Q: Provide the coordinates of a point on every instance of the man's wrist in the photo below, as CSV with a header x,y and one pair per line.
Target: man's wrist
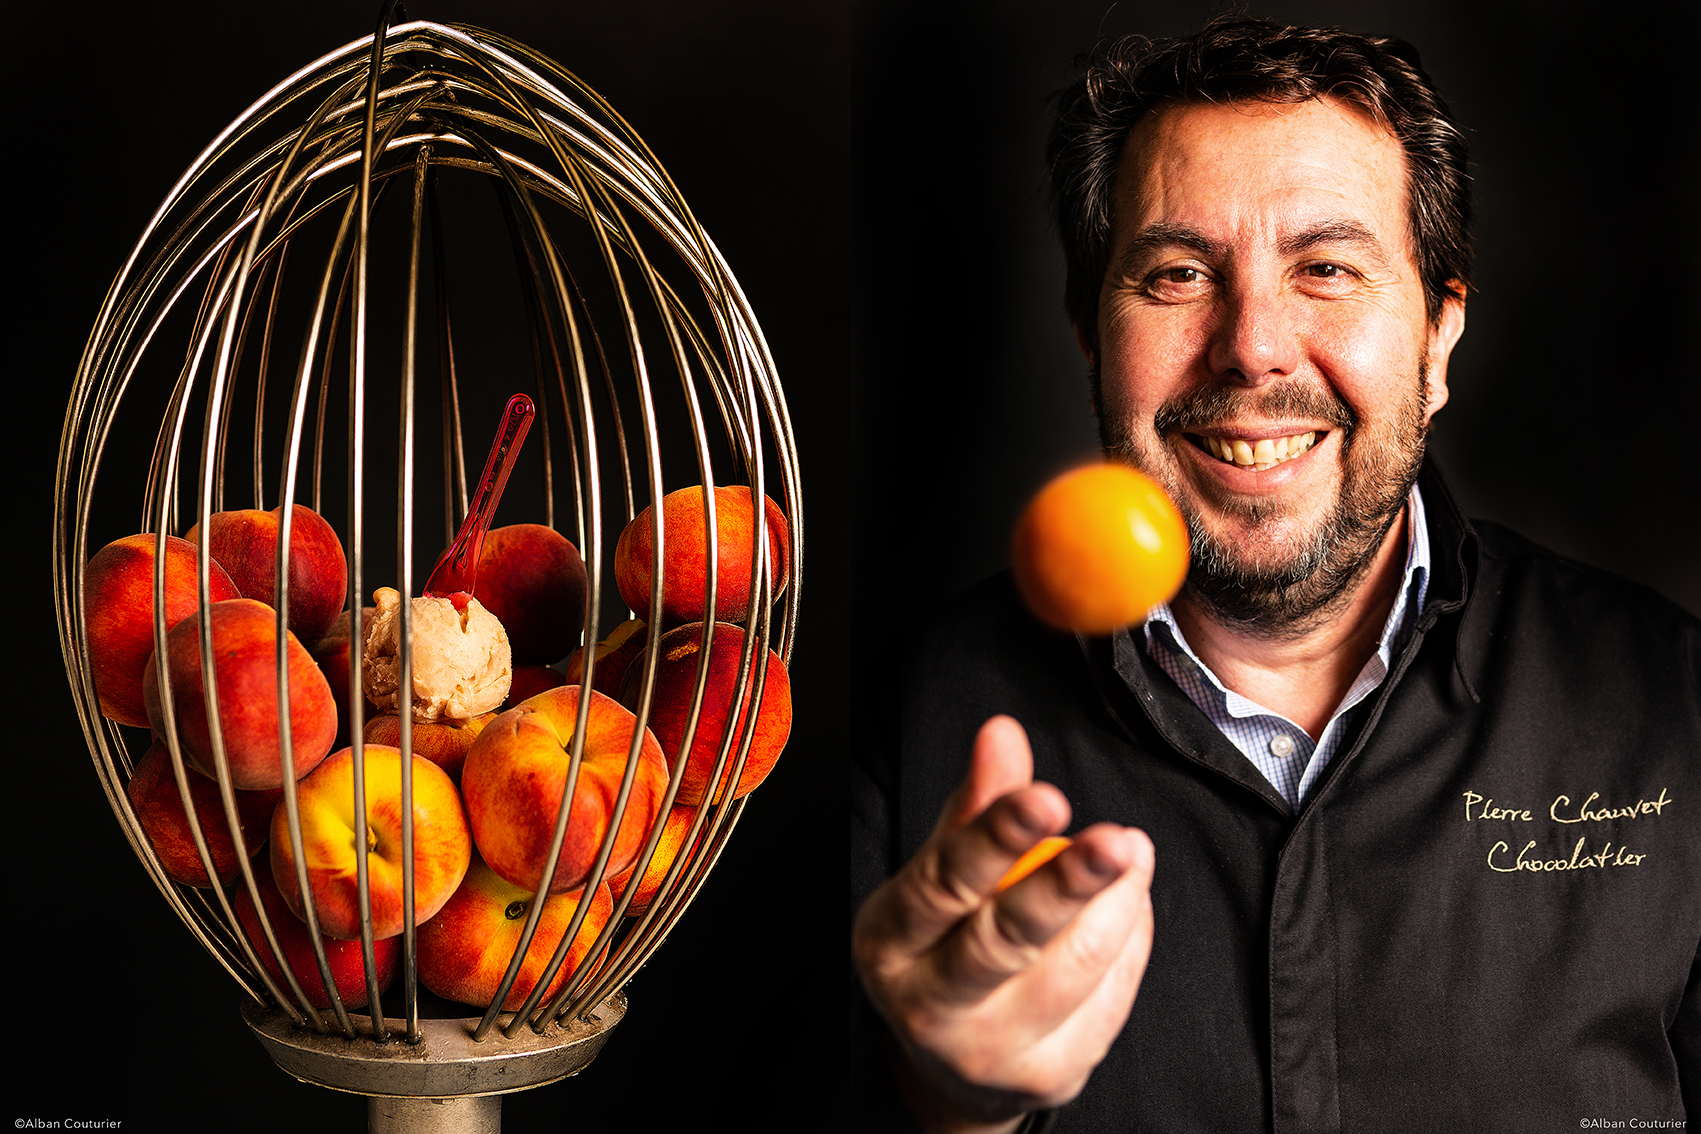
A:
x,y
943,1104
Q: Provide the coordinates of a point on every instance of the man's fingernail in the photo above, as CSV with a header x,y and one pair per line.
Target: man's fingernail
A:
x,y
1099,864
1144,856
1027,820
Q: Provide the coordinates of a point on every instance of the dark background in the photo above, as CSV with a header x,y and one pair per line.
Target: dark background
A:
x,y
872,172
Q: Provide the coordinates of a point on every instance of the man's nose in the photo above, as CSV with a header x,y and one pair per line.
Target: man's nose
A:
x,y
1254,341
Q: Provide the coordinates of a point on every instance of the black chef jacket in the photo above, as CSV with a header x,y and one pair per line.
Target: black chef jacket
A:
x,y
1486,916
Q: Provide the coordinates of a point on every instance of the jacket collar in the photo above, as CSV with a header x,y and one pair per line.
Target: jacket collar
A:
x,y
1454,552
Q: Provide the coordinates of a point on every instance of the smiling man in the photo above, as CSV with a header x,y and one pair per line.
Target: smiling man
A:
x,y
1325,874
1268,355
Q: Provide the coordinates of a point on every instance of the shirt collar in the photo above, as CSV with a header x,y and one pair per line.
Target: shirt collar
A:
x,y
1408,605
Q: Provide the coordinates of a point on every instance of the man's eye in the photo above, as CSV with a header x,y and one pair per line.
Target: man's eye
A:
x,y
1178,276
1325,271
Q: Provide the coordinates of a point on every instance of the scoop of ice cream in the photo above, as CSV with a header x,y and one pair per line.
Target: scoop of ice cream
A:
x,y
462,665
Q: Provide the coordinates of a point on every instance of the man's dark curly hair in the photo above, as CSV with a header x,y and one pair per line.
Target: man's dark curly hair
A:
x,y
1233,59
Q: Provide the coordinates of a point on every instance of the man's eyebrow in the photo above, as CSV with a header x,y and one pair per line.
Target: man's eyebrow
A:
x,y
1164,235
1161,235
1331,232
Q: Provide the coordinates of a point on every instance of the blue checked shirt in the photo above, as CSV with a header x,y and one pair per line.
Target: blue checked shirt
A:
x,y
1277,747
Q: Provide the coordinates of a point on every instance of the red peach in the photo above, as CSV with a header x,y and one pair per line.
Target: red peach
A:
x,y
516,774
676,680
667,849
348,968
244,636
686,555
464,951
245,543
118,604
444,742
613,654
530,680
532,579
159,809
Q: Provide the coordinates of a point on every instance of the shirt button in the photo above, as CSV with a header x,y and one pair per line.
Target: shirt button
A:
x,y
1282,745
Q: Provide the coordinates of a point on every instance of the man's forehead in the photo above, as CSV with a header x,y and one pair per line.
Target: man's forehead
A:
x,y
1293,164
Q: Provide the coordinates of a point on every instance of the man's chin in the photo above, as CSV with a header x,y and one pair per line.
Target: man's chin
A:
x,y
1290,586
1265,535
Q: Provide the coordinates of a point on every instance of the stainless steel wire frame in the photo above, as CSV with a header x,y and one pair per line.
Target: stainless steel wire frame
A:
x,y
392,109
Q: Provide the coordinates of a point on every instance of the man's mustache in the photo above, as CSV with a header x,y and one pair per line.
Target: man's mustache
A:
x,y
1207,406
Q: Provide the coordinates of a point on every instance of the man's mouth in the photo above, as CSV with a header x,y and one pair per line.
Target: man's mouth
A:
x,y
1264,453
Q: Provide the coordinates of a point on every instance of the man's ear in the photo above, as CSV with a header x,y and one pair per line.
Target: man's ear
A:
x,y
1443,336
1086,345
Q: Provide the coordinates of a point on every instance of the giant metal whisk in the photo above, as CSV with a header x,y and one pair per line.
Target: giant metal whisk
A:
x,y
243,336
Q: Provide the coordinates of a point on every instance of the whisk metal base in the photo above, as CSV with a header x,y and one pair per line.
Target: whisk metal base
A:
x,y
447,1064
476,1114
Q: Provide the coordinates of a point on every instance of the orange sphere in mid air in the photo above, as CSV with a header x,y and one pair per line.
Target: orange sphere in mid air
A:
x,y
1098,548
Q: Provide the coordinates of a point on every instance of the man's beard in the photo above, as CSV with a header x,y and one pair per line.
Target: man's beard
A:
x,y
1286,595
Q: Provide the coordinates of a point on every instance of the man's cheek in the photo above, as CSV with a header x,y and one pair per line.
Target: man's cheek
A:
x,y
1366,358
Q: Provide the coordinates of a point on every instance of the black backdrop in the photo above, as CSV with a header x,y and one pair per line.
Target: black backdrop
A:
x,y
871,171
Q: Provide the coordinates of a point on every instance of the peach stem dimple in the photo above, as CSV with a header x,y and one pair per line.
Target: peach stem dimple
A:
x,y
457,570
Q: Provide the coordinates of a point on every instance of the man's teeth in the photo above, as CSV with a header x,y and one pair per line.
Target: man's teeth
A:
x,y
1260,455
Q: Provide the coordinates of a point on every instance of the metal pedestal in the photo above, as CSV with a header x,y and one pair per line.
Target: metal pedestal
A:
x,y
445,1082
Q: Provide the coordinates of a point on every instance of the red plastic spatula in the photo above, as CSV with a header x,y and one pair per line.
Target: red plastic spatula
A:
x,y
456,572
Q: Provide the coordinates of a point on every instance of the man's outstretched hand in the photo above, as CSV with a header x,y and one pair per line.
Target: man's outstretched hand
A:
x,y
1003,1003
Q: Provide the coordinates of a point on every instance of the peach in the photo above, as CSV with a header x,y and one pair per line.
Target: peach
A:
x,y
532,579
530,680
348,968
245,543
516,774
685,549
118,605
667,849
245,656
613,654
442,843
676,678
464,951
159,809
335,656
444,742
